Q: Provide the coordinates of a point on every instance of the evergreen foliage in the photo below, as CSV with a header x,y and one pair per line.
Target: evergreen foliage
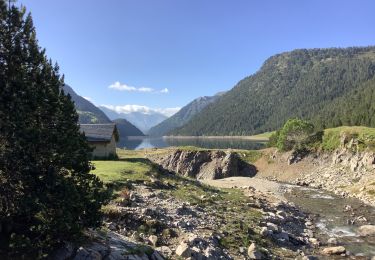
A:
x,y
183,116
294,134
47,194
125,128
329,87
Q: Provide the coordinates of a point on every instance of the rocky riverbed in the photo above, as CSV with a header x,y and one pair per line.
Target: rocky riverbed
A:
x,y
152,224
169,214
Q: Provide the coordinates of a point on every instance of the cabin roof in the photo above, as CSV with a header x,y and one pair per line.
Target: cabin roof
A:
x,y
99,132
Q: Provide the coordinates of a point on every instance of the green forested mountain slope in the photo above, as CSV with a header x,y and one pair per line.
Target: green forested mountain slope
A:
x,y
88,112
183,116
126,128
356,108
303,83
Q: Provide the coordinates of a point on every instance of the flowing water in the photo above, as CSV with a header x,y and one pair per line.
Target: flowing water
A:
x,y
136,143
334,217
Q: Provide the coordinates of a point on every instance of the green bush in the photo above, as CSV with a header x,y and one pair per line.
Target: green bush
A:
x,y
295,134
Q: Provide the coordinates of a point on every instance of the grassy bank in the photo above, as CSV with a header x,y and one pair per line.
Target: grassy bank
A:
x,y
230,205
364,135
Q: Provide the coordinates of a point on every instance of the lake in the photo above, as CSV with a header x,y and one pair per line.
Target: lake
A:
x,y
136,143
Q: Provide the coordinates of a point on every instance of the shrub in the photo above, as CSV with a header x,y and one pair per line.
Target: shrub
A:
x,y
295,134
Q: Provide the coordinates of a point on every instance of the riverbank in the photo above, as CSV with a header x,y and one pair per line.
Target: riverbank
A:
x,y
160,214
343,172
157,214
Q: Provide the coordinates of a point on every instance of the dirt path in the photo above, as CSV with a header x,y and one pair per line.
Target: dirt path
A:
x,y
261,185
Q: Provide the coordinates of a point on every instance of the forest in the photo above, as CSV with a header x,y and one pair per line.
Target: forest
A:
x,y
330,87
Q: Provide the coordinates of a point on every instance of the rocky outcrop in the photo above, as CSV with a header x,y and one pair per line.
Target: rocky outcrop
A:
x,y
347,171
208,165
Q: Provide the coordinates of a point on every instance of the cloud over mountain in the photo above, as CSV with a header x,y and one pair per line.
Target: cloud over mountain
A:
x,y
124,87
127,109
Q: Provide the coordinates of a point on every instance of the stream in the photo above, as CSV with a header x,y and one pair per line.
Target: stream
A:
x,y
336,217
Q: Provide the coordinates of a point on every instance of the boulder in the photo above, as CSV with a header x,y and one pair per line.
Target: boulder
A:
x,y
253,252
204,165
366,230
183,250
336,250
156,256
83,254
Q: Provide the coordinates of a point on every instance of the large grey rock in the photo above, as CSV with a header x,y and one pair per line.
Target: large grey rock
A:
x,y
87,254
156,256
366,230
207,165
336,250
65,252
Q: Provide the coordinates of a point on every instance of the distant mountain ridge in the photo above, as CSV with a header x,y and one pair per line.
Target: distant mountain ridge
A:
x,y
314,84
88,112
126,128
143,121
183,116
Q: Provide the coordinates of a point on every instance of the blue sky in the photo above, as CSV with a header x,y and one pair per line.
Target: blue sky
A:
x,y
164,53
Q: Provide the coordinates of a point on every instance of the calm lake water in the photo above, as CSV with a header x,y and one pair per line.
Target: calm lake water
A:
x,y
136,143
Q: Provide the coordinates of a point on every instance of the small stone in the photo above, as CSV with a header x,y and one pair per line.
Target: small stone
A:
x,y
314,241
336,250
264,231
166,251
282,236
253,252
309,257
183,250
273,227
153,240
332,241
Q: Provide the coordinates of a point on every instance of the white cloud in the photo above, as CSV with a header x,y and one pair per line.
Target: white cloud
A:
x,y
88,98
170,111
123,87
126,109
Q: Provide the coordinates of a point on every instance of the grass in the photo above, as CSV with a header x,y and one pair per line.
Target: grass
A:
x,y
365,135
121,170
249,156
263,135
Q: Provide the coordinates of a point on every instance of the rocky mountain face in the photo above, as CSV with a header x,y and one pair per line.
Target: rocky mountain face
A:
x,y
88,112
326,86
184,115
204,165
143,121
346,171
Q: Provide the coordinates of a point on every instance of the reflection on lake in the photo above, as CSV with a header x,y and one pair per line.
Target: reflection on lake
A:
x,y
136,143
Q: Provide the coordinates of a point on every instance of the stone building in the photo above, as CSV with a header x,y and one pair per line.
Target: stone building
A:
x,y
101,137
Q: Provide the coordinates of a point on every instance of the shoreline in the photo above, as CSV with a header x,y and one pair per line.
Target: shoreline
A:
x,y
250,138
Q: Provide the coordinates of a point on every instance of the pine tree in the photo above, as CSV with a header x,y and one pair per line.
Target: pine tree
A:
x,y
47,194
